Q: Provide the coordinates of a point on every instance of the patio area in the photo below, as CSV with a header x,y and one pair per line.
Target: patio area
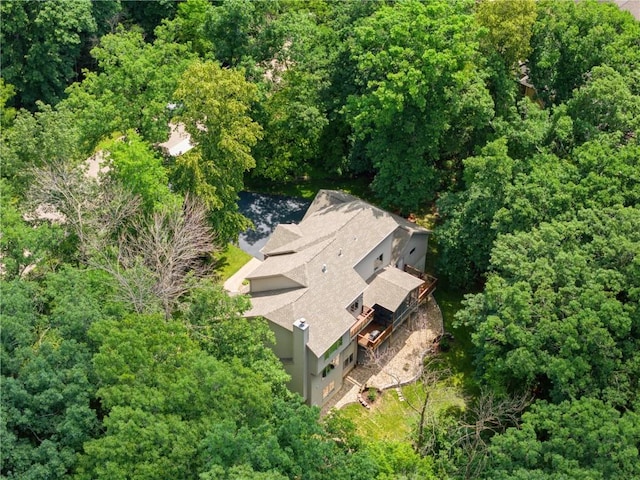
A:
x,y
401,361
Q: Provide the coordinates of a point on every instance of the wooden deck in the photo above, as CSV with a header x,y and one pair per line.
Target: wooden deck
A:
x,y
362,321
365,325
364,339
429,284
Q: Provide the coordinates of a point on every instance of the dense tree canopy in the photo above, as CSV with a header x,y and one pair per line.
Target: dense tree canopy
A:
x,y
412,70
560,312
121,357
214,108
41,42
570,38
580,439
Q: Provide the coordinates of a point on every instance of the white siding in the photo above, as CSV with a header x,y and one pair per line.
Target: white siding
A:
x,y
367,266
417,243
278,282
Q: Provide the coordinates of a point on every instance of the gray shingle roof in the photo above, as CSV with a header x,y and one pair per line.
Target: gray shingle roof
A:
x,y
389,287
337,231
284,234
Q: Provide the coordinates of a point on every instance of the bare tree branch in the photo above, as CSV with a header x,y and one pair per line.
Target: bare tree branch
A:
x,y
173,243
488,416
148,256
93,211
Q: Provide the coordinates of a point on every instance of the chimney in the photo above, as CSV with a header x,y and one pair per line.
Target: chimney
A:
x,y
300,373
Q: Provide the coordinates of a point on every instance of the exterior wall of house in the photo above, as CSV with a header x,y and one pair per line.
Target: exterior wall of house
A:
x,y
323,387
355,308
415,253
283,347
372,263
277,282
349,357
306,369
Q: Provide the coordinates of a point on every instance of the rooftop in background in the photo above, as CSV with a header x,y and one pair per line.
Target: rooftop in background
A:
x,y
179,141
631,6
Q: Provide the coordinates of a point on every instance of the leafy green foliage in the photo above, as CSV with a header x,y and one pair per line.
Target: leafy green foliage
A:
x,y
23,244
560,313
7,92
467,236
570,38
138,168
508,27
189,24
148,15
291,111
45,361
240,31
162,393
35,139
606,104
132,88
215,320
41,42
415,98
215,110
575,439
412,65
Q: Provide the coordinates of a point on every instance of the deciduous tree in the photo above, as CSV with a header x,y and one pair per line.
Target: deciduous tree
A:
x,y
41,42
582,438
412,65
215,104
559,314
132,88
570,38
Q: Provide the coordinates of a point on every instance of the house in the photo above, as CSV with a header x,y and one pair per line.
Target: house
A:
x,y
179,141
335,286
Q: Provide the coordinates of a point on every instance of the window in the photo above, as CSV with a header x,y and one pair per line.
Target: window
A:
x,y
327,370
412,250
354,306
378,262
348,361
333,348
328,389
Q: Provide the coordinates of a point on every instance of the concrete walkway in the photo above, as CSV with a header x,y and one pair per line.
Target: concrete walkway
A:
x,y
234,284
401,362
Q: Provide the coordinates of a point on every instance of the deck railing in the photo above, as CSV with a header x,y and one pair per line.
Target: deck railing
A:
x,y
362,321
366,342
429,284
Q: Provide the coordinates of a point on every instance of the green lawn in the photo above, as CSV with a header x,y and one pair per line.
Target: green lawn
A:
x,y
229,261
391,419
459,358
395,420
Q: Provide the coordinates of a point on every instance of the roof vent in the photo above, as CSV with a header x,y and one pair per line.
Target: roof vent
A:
x,y
340,253
324,268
